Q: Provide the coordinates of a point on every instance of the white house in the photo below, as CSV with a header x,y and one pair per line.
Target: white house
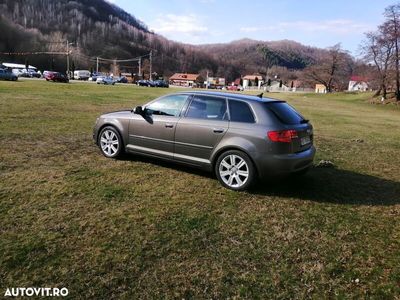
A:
x,y
358,84
252,81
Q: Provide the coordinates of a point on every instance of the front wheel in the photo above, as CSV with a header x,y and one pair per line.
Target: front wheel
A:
x,y
235,170
110,142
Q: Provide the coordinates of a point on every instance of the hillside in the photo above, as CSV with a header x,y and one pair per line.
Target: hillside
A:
x,y
99,28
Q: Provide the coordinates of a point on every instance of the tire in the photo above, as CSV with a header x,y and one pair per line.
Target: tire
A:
x,y
235,170
110,142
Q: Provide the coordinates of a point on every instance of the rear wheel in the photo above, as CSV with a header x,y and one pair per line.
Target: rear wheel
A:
x,y
110,142
235,170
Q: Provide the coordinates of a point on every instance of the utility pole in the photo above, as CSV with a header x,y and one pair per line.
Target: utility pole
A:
x,y
140,67
97,65
115,67
67,59
68,44
207,81
151,62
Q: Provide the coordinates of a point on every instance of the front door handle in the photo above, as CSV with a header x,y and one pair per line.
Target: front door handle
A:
x,y
218,130
169,125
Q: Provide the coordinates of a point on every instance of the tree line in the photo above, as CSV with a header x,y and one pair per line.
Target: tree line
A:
x,y
380,49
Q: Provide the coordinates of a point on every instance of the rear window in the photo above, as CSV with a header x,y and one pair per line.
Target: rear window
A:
x,y
285,113
240,112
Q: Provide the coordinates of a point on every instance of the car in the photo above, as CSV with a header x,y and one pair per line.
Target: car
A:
x,y
56,77
60,77
7,75
105,80
161,83
241,138
95,76
234,88
121,79
81,74
47,75
30,73
148,83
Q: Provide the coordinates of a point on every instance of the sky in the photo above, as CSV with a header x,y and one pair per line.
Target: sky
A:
x,y
320,23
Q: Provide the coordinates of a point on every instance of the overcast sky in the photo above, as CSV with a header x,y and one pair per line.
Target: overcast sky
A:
x,y
320,23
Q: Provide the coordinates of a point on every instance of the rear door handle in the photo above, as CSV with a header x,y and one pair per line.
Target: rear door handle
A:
x,y
169,125
218,130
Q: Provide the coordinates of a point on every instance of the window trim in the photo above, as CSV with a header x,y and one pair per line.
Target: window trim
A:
x,y
248,105
193,96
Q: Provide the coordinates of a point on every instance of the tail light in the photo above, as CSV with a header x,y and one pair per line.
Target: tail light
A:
x,y
283,136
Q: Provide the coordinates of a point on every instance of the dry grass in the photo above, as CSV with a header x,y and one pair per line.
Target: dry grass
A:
x,y
137,228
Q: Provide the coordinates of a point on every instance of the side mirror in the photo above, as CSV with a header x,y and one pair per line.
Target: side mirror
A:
x,y
138,110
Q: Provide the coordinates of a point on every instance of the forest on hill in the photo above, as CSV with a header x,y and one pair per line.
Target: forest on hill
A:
x,y
97,28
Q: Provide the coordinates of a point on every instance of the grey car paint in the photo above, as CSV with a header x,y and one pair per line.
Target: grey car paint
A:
x,y
199,142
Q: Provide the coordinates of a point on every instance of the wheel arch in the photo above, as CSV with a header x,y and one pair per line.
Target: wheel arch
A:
x,y
113,125
222,150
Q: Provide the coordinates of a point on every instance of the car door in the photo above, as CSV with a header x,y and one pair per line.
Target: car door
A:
x,y
200,130
154,132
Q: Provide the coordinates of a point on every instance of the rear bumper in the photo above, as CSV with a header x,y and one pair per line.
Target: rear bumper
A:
x,y
284,164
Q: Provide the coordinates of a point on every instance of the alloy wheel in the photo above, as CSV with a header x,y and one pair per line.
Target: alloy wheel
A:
x,y
109,143
234,171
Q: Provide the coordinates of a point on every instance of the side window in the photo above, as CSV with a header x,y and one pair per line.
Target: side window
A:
x,y
240,111
168,106
209,108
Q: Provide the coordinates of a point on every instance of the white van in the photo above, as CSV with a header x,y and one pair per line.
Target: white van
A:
x,y
81,75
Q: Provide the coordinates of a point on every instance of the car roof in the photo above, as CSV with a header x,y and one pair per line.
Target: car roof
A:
x,y
231,96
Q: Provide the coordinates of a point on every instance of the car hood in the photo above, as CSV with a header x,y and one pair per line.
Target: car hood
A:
x,y
118,114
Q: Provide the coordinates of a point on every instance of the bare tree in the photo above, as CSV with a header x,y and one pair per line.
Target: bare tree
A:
x,y
329,69
378,49
391,29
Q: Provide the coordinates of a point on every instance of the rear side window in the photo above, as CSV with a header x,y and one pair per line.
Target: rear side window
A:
x,y
285,113
205,107
240,111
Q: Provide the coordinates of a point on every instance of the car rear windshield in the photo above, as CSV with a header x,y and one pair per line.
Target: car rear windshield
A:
x,y
285,113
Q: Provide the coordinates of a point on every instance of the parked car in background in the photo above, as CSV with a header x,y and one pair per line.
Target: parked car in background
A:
x,y
60,77
105,80
239,137
148,83
30,73
234,88
95,76
142,82
7,75
17,72
56,77
81,74
121,79
161,83
48,75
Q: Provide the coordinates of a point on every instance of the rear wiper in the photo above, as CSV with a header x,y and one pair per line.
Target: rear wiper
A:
x,y
304,121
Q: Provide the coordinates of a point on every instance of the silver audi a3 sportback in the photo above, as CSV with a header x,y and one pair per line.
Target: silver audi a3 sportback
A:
x,y
239,137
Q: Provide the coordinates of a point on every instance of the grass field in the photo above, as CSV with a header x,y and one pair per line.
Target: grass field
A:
x,y
138,228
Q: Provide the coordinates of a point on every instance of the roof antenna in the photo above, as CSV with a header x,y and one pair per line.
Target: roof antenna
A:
x,y
260,95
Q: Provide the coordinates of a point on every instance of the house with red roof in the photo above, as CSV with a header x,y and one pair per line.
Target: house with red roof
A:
x,y
358,84
186,80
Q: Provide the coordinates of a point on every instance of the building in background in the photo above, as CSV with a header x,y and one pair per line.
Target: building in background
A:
x,y
254,81
320,88
358,84
186,80
215,82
